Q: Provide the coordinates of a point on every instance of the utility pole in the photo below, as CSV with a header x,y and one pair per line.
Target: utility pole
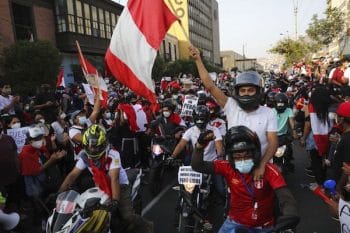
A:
x,y
296,6
243,58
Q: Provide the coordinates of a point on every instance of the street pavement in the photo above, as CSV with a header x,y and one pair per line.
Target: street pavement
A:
x,y
315,217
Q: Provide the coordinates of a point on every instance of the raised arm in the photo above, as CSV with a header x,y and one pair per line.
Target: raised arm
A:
x,y
220,97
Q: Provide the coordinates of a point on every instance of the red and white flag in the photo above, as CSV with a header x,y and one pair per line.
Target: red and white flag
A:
x,y
92,76
320,131
60,79
133,48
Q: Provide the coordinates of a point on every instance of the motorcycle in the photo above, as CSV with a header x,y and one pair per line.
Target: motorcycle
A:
x,y
86,212
194,189
134,176
161,150
283,156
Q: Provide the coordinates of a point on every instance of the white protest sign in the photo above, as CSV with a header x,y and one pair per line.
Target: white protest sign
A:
x,y
213,76
89,94
189,105
19,135
344,216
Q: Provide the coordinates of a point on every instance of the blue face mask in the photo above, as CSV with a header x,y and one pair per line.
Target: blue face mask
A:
x,y
244,166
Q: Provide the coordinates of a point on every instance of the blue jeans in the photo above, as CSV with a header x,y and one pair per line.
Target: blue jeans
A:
x,y
231,226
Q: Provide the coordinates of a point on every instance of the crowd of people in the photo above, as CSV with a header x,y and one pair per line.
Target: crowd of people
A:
x,y
232,130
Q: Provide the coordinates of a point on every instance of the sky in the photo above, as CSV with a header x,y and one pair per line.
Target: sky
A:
x,y
258,24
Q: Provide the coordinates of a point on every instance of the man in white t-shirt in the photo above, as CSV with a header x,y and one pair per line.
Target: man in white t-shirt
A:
x,y
244,109
7,101
201,117
109,175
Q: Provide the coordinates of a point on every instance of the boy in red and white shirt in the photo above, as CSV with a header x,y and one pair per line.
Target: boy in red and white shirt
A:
x,y
251,202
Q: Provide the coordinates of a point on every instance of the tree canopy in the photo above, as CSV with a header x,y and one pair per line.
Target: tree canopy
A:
x,y
26,65
325,30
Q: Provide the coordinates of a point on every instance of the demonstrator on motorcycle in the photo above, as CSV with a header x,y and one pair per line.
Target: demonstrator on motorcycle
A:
x,y
105,165
251,202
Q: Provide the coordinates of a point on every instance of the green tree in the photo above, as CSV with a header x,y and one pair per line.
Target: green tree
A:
x,y
325,30
28,64
158,68
293,50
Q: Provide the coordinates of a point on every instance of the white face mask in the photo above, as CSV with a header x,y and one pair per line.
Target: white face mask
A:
x,y
108,115
82,120
166,114
37,144
244,166
42,121
16,125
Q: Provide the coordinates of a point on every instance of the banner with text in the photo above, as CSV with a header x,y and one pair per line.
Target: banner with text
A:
x,y
189,105
19,135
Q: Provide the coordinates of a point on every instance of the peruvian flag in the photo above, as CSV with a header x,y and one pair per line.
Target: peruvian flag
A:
x,y
60,79
320,131
133,48
93,78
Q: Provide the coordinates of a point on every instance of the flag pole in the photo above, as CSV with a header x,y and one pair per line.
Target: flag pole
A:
x,y
179,21
84,64
81,57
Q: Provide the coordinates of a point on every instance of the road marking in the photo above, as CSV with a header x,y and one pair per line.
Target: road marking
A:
x,y
157,198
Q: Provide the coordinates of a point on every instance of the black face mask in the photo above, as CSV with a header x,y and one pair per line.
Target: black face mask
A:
x,y
248,102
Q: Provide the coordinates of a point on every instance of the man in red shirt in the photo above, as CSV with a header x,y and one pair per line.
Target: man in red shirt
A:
x,y
338,74
251,202
34,160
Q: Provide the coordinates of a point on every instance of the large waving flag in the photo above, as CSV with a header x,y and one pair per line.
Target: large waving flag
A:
x,y
133,48
92,76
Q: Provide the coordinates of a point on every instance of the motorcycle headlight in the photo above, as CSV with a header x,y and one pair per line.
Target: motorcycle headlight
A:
x,y
280,151
157,150
189,187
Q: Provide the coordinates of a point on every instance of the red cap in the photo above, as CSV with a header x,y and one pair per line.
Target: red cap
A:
x,y
344,110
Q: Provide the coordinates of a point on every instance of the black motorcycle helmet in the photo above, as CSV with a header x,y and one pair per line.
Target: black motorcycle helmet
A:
x,y
240,138
270,99
249,78
168,103
281,102
201,116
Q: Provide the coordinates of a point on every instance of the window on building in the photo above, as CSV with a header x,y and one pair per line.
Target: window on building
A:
x,y
108,25
101,18
23,21
70,11
95,30
87,19
175,54
164,50
79,14
113,20
60,17
170,53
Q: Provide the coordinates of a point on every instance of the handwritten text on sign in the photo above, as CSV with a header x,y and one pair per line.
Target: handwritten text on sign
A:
x,y
19,135
189,105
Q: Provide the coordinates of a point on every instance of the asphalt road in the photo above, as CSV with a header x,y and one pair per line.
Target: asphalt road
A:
x,y
314,213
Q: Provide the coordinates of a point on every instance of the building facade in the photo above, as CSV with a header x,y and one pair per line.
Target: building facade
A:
x,y
200,21
62,22
341,45
169,48
231,59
